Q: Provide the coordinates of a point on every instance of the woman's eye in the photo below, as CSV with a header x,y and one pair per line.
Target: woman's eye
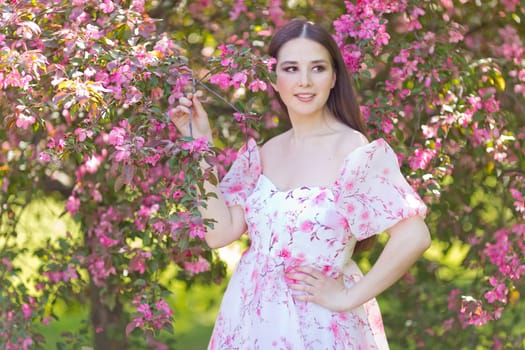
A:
x,y
319,68
290,69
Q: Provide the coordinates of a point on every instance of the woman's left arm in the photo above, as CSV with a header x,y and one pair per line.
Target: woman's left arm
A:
x,y
408,240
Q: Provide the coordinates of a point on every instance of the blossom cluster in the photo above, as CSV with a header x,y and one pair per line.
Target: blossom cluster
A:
x,y
363,28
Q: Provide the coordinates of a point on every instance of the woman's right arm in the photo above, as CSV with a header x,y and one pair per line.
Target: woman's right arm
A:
x,y
229,221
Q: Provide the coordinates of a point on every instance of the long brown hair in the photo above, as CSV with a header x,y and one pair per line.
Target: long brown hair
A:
x,y
342,101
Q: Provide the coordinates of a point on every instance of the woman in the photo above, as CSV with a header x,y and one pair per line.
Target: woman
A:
x,y
306,197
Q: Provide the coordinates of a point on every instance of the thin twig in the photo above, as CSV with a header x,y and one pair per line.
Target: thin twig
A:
x,y
216,94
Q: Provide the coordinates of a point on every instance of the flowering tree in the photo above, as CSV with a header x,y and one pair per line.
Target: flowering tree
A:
x,y
86,91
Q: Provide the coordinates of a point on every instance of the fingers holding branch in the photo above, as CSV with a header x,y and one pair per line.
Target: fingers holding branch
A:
x,y
190,115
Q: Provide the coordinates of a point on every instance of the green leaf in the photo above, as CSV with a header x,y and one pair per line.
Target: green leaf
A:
x,y
61,346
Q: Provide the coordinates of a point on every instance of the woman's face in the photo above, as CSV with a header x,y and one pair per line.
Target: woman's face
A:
x,y
305,76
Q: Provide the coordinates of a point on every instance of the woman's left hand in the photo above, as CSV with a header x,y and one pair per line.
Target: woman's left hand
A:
x,y
313,286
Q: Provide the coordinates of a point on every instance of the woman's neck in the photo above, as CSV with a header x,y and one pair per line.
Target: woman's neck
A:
x,y
306,127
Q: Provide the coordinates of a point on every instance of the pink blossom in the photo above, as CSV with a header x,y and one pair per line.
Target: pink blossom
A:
x,y
239,79
138,262
455,36
72,204
502,252
138,141
499,292
158,226
471,312
197,145
221,79
257,85
24,121
153,159
197,231
26,309
196,267
107,6
162,305
225,50
100,270
147,211
520,89
123,75
453,299
276,13
414,18
239,117
226,61
510,5
7,263
140,225
429,131
402,57
491,105
107,241
96,195
69,274
82,134
387,126
352,57
133,95
238,8
269,63
44,157
519,203
92,164
54,277
26,343
382,38
421,158
117,136
123,153
145,310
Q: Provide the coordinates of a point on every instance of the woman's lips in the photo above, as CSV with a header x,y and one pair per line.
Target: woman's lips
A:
x,y
305,97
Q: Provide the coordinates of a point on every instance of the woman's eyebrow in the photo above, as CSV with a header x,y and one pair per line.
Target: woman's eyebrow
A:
x,y
296,62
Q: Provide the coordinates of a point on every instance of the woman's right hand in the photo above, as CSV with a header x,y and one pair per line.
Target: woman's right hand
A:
x,y
191,107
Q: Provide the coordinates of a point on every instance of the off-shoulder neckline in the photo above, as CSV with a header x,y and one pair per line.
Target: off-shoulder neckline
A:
x,y
251,144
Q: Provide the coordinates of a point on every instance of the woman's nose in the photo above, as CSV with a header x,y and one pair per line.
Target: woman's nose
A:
x,y
304,79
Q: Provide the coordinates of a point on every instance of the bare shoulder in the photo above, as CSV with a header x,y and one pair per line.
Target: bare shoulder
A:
x,y
273,145
350,139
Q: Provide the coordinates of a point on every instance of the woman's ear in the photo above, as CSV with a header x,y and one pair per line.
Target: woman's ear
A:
x,y
334,78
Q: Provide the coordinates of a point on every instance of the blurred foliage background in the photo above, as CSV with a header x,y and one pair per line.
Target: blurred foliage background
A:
x,y
466,185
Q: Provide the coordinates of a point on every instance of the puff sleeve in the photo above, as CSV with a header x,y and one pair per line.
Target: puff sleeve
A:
x,y
371,192
240,180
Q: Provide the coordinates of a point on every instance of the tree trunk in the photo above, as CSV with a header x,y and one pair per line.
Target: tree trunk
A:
x,y
109,325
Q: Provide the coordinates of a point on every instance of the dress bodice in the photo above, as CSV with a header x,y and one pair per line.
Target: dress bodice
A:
x,y
298,226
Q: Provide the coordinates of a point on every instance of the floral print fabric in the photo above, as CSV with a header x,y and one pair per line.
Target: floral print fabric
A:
x,y
316,226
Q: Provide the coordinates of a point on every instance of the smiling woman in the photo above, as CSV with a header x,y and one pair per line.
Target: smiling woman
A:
x,y
308,199
305,77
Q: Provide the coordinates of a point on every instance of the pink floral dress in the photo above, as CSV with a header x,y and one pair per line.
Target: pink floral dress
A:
x,y
316,226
